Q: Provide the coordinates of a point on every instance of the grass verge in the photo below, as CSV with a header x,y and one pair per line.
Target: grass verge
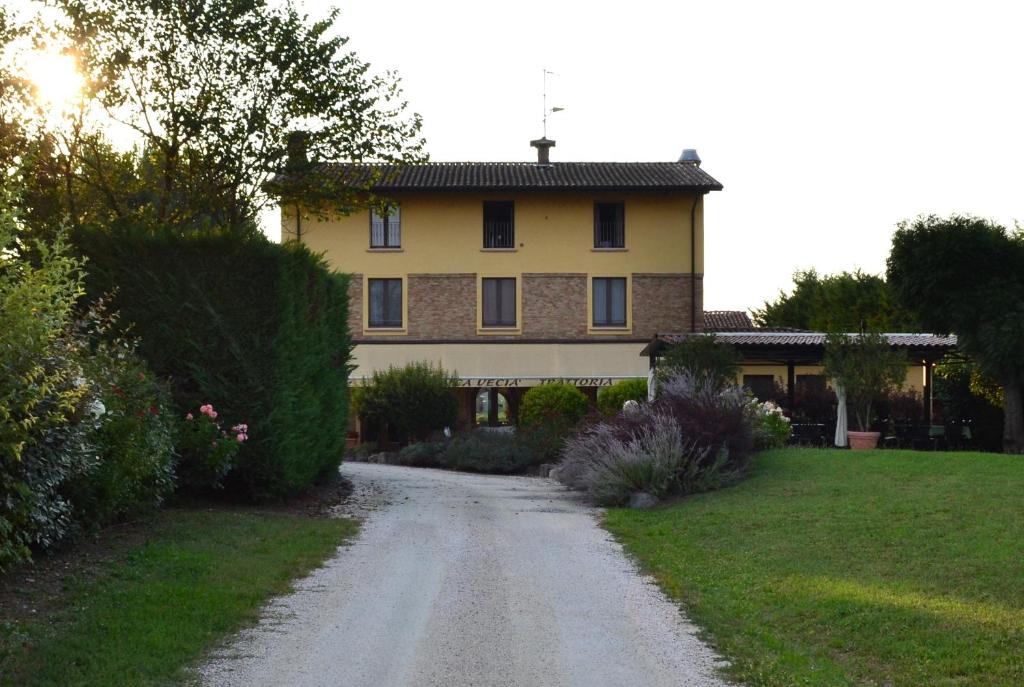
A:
x,y
841,568
145,614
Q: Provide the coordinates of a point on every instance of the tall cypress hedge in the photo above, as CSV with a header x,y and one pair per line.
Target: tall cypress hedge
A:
x,y
256,328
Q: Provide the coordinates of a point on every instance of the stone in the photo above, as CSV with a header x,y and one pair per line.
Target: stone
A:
x,y
642,500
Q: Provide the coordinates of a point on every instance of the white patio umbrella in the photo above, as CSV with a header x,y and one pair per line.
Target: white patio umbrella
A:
x,y
652,385
840,413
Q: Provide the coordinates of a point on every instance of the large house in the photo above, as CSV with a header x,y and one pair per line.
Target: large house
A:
x,y
515,274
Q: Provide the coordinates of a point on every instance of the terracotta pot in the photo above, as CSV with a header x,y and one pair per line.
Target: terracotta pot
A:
x,y
863,441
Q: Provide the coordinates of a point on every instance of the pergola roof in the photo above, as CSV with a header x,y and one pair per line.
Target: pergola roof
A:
x,y
804,347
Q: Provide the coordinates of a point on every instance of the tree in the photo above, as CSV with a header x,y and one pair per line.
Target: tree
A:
x,y
844,302
867,368
705,357
212,90
965,275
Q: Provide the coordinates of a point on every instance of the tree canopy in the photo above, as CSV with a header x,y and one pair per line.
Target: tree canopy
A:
x,y
965,275
844,302
208,91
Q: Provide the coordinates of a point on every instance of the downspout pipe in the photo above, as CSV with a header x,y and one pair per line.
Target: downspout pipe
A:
x,y
693,263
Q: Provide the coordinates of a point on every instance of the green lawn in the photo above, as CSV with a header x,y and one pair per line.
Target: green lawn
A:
x,y
840,567
155,609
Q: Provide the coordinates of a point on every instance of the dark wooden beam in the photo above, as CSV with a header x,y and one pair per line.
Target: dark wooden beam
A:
x,y
791,384
929,404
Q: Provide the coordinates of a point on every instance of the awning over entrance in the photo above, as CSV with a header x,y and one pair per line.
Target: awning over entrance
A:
x,y
510,364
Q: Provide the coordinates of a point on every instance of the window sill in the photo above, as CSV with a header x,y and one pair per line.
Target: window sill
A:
x,y
389,331
499,330
609,250
610,330
498,250
383,250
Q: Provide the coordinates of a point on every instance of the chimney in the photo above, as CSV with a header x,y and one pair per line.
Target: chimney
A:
x,y
690,157
543,145
298,155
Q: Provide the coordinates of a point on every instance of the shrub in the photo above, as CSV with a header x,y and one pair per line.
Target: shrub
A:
x,y
702,356
424,454
550,401
409,402
207,450
44,428
255,328
489,451
548,414
654,458
611,398
134,468
693,437
771,426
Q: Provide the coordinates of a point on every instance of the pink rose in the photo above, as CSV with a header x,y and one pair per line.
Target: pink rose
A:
x,y
240,437
189,417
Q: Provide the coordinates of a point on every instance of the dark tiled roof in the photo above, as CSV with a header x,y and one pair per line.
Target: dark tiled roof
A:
x,y
727,321
482,176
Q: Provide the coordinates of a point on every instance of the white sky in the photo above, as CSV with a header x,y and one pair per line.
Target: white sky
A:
x,y
826,122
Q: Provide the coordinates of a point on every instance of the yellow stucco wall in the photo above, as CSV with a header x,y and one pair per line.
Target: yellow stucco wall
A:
x,y
523,362
914,380
554,233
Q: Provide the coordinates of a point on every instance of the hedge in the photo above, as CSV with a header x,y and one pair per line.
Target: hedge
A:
x,y
256,328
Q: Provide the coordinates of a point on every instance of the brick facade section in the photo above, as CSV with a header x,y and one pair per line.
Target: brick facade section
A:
x,y
662,302
554,306
442,306
355,306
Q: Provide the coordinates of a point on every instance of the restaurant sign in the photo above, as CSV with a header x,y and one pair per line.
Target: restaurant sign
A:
x,y
513,382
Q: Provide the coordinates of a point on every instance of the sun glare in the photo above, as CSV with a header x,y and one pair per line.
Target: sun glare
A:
x,y
55,78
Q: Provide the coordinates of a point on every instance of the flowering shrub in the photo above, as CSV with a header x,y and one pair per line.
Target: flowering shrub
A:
x,y
694,437
771,426
133,439
207,451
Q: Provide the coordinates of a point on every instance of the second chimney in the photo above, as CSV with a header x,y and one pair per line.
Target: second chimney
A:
x,y
543,145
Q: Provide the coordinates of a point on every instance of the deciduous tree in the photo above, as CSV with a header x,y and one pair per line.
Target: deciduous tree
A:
x,y
844,302
965,275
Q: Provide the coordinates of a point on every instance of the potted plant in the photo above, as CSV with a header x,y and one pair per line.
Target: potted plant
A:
x,y
868,369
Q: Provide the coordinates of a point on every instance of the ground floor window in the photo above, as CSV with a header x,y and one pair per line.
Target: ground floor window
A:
x,y
609,301
499,302
762,386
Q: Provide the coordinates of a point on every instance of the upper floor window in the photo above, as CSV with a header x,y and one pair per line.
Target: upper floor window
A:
x,y
386,227
499,302
609,225
609,301
499,224
385,303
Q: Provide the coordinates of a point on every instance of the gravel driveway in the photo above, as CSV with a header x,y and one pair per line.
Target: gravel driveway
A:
x,y
461,579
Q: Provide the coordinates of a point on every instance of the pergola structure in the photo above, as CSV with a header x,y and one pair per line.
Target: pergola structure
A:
x,y
793,348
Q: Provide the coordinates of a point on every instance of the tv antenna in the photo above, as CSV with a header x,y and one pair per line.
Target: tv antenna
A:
x,y
547,111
